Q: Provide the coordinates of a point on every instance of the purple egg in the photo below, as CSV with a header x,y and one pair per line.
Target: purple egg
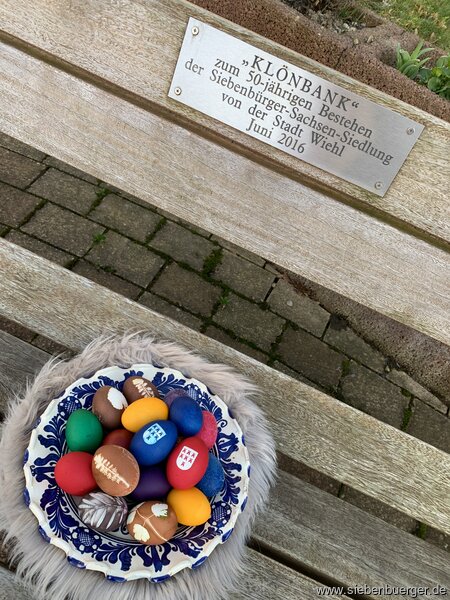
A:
x,y
175,393
152,485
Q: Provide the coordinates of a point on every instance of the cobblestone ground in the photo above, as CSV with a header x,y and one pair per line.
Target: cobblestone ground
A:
x,y
209,285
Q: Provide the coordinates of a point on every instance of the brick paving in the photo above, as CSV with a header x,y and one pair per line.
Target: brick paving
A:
x,y
65,190
365,390
212,286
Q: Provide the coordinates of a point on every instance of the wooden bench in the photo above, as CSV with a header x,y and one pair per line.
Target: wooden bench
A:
x,y
90,96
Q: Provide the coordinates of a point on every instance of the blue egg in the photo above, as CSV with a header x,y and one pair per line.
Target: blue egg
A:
x,y
187,415
153,442
213,480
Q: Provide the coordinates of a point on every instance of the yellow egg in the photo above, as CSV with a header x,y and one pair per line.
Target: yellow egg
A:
x,y
191,506
143,411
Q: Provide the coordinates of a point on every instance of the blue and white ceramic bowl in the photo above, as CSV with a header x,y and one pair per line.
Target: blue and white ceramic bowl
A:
x,y
116,554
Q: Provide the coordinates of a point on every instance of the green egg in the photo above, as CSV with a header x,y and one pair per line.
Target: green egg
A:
x,y
84,432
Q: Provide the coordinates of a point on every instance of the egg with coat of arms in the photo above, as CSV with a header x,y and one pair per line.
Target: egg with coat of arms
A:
x,y
187,463
153,442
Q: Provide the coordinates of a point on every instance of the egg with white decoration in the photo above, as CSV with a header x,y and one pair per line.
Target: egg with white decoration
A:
x,y
153,522
108,405
102,511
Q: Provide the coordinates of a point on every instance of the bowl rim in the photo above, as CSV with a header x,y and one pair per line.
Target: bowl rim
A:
x,y
107,568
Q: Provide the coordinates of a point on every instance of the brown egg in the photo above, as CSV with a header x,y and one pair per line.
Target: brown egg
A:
x,y
115,470
152,522
136,387
118,437
108,405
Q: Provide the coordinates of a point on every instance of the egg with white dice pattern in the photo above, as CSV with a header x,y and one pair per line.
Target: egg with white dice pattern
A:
x,y
153,442
187,463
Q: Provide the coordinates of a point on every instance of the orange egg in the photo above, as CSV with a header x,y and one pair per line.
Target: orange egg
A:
x,y
191,506
144,411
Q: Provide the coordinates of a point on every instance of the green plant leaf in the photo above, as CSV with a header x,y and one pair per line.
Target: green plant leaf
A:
x,y
424,74
416,52
433,84
411,71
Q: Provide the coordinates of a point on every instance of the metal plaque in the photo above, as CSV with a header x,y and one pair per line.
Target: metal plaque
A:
x,y
291,109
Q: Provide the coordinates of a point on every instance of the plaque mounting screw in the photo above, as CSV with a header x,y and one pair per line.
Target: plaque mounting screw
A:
x,y
410,130
177,91
378,185
195,30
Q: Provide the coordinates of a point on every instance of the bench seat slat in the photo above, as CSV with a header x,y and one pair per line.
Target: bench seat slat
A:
x,y
267,579
308,425
230,195
134,45
259,582
302,522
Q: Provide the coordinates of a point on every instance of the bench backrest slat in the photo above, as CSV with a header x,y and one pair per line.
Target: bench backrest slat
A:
x,y
136,48
310,426
226,193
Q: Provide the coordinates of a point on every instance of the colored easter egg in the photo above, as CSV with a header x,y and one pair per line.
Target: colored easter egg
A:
x,y
153,442
187,463
118,437
136,387
213,480
108,405
115,470
187,415
102,511
172,394
152,523
209,430
152,484
73,473
143,411
84,432
191,506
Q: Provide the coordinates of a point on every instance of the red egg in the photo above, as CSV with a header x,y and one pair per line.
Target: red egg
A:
x,y
73,473
187,463
209,430
118,437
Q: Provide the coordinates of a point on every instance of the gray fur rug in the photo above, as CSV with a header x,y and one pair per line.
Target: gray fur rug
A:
x,y
43,566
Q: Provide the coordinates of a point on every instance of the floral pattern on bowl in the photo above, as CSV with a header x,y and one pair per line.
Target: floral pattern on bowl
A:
x,y
116,554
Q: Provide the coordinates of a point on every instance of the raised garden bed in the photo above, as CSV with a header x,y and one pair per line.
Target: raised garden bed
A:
x,y
365,50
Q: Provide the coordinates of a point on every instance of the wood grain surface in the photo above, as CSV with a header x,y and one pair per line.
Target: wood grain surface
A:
x,y
326,534
308,425
269,580
303,523
134,45
19,362
226,193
